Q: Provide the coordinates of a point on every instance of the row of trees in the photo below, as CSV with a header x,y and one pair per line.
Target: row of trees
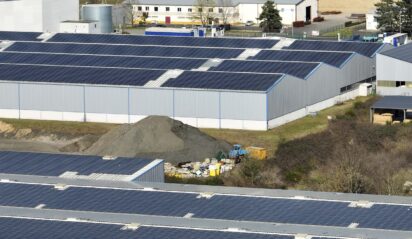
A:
x,y
395,15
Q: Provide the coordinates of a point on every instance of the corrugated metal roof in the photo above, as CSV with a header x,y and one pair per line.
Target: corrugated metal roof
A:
x,y
218,3
403,53
394,102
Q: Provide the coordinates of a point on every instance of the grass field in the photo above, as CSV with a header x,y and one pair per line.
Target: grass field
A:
x,y
296,129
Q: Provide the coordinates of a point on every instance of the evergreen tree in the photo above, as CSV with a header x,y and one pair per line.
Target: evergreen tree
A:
x,y
270,18
405,19
386,15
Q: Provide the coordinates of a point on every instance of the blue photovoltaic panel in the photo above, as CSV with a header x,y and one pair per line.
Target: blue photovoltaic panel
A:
x,y
224,81
56,164
19,36
125,50
298,69
363,48
101,61
164,41
19,228
77,75
332,58
259,209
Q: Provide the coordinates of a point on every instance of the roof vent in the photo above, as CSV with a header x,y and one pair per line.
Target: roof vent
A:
x,y
302,236
131,226
361,204
109,157
235,229
61,186
206,195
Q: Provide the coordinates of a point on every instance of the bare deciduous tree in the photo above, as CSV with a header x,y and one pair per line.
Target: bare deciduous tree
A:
x,y
204,11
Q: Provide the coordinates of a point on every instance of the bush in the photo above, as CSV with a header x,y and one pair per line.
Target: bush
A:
x,y
319,19
299,24
308,22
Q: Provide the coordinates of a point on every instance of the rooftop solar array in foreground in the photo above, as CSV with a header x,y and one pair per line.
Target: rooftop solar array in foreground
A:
x,y
101,61
125,50
363,48
43,164
297,69
19,228
164,40
226,207
77,75
19,36
332,58
223,80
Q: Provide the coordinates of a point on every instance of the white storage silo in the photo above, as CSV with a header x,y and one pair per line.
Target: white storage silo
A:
x,y
101,13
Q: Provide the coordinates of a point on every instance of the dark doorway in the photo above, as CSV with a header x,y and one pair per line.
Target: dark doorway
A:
x,y
308,13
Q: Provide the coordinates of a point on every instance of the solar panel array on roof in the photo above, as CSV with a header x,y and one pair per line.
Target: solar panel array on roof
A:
x,y
100,61
224,81
403,53
163,40
77,75
331,58
243,208
19,228
56,164
19,36
124,50
363,48
298,69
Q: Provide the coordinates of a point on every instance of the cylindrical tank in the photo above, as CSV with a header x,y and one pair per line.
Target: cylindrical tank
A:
x,y
101,13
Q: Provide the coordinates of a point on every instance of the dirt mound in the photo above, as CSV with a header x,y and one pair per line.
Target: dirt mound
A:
x,y
160,137
6,128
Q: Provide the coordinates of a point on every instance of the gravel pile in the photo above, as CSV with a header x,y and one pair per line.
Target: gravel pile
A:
x,y
159,137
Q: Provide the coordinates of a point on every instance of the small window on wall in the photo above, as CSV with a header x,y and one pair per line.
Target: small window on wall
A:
x,y
210,9
200,10
139,8
167,9
400,83
179,9
189,10
220,10
147,8
156,9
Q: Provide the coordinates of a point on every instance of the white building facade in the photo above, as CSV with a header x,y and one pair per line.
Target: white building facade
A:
x,y
36,15
233,12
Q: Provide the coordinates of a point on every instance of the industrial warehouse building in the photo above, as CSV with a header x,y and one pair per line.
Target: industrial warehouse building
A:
x,y
82,167
253,84
225,11
394,71
36,15
56,207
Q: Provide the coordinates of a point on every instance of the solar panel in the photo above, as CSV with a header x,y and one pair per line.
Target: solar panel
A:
x,y
164,40
125,50
101,61
224,81
19,36
301,70
55,164
363,48
77,75
161,203
19,228
332,58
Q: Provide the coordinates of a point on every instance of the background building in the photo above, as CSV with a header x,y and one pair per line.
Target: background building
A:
x,y
394,71
225,11
36,15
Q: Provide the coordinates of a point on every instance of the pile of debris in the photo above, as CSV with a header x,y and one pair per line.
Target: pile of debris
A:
x,y
207,168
